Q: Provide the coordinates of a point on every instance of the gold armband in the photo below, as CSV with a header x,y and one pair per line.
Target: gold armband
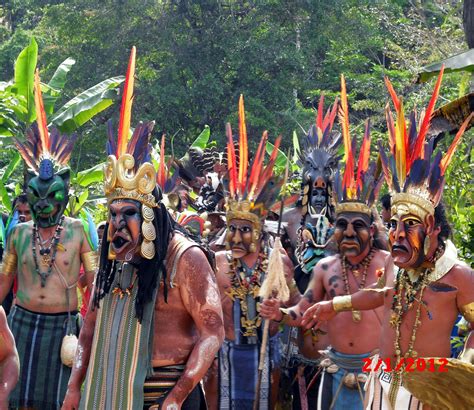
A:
x,y
89,261
9,264
342,303
468,312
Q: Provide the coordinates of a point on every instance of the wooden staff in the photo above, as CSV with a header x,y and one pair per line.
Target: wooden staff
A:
x,y
273,285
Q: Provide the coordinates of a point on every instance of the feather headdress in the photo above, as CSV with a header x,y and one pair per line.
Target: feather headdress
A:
x,y
359,186
44,149
321,135
129,173
251,194
414,174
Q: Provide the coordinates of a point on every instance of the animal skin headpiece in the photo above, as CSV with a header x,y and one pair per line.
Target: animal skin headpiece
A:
x,y
129,173
46,153
251,195
414,175
359,188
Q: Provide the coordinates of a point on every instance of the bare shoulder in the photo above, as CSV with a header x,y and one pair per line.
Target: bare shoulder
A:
x,y
327,263
3,319
73,223
461,275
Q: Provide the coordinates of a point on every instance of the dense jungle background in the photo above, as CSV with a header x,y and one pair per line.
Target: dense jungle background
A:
x,y
194,58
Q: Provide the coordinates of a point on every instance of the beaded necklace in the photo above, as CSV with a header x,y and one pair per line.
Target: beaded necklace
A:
x,y
243,286
356,314
402,302
48,255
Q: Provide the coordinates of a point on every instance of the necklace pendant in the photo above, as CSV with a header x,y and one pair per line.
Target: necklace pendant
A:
x,y
393,319
356,316
356,273
45,259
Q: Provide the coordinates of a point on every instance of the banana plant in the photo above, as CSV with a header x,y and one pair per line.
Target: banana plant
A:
x,y
17,108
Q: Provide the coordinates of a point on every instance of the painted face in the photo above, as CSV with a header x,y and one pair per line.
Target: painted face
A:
x,y
406,236
239,236
318,173
48,197
125,228
24,213
352,232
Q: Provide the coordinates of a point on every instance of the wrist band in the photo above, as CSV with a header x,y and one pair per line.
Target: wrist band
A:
x,y
342,303
284,315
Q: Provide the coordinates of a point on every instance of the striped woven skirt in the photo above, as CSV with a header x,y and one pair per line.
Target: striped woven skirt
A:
x,y
162,382
43,378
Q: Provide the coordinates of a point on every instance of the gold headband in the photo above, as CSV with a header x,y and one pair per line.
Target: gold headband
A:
x,y
123,182
242,210
353,207
404,203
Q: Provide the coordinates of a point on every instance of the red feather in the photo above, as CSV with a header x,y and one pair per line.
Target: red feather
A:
x,y
231,163
257,165
161,176
126,109
243,147
425,124
457,139
393,94
364,155
319,118
268,171
41,116
329,120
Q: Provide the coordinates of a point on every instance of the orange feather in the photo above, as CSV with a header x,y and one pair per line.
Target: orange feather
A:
x,y
364,155
445,161
268,171
243,147
231,163
126,109
41,116
391,129
425,123
348,178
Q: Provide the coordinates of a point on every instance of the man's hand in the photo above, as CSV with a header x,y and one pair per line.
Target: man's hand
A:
x,y
270,309
72,399
170,403
319,312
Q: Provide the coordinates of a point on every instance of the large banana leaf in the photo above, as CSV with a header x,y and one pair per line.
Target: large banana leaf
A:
x,y
11,167
5,199
459,62
25,66
202,139
281,159
52,90
90,176
86,105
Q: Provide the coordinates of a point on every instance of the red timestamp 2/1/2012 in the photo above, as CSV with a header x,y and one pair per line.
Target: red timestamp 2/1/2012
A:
x,y
409,364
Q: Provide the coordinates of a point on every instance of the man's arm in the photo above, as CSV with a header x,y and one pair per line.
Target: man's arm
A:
x,y
369,298
9,362
9,266
81,360
201,298
270,308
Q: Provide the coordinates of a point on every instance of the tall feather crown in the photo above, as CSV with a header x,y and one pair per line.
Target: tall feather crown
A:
x,y
129,173
358,189
250,194
414,174
43,150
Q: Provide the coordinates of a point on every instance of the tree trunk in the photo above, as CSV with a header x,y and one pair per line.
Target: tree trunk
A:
x,y
468,22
